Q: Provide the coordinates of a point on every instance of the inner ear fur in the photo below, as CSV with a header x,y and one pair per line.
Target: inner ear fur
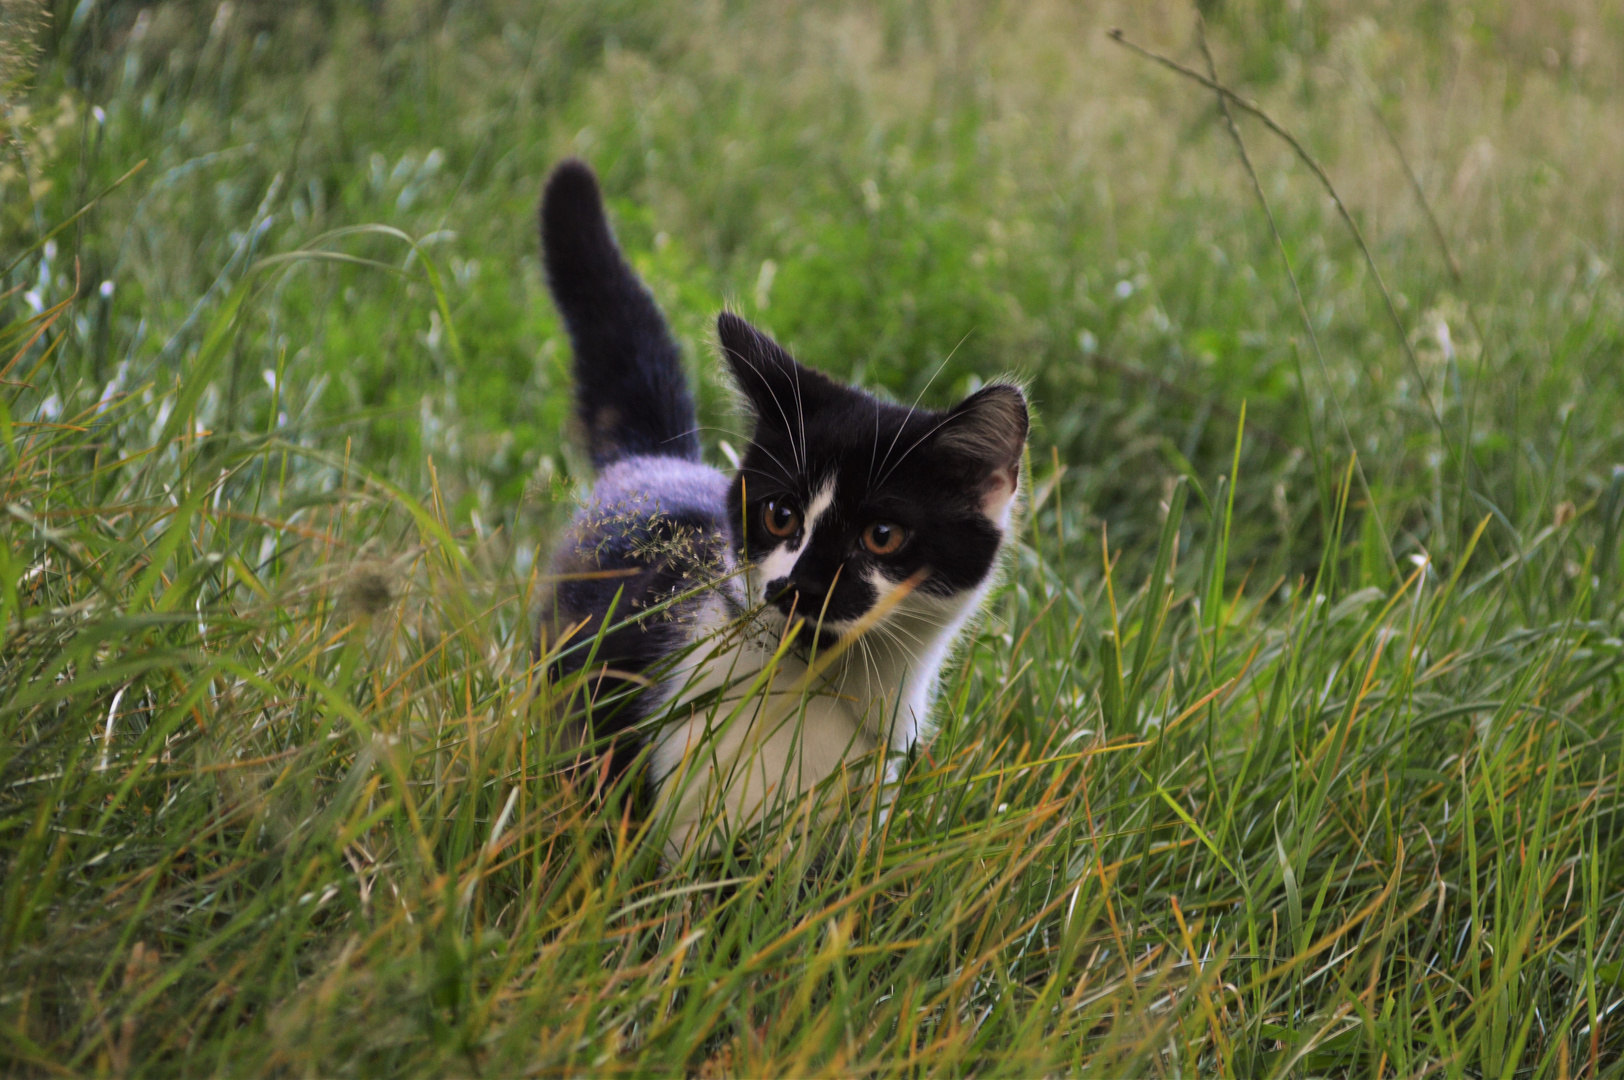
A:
x,y
988,430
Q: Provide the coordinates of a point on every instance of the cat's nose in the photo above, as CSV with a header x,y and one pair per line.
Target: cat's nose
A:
x,y
780,592
796,594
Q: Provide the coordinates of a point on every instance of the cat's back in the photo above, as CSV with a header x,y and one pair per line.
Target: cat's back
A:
x,y
652,529
668,486
630,585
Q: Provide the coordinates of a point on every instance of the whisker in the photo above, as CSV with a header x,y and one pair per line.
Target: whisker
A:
x,y
789,474
788,427
916,443
915,406
800,418
784,475
895,633
874,449
929,618
871,668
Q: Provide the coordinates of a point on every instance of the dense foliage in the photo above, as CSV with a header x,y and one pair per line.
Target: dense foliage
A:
x,y
1290,746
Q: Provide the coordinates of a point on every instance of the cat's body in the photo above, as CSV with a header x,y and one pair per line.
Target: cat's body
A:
x,y
876,526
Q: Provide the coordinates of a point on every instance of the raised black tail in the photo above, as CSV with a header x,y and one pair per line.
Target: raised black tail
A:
x,y
630,392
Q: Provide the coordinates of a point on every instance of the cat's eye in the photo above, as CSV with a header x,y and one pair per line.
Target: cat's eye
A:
x,y
883,538
780,517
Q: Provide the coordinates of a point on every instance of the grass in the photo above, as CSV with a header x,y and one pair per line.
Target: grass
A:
x,y
1289,748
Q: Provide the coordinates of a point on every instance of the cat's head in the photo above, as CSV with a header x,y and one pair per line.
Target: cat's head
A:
x,y
840,496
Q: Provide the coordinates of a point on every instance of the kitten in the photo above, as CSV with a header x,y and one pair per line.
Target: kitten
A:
x,y
773,629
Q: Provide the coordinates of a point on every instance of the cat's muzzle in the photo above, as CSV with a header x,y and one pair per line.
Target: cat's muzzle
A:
x,y
799,602
796,598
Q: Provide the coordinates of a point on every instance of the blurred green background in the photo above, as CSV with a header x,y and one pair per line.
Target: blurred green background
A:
x,y
913,196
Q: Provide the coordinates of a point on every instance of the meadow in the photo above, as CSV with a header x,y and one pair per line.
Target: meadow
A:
x,y
1289,747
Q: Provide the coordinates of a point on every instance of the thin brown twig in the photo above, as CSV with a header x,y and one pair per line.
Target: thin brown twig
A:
x,y
1296,291
1225,96
1420,196
1454,271
1245,105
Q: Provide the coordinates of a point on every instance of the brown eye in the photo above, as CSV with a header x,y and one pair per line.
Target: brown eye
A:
x,y
780,518
883,538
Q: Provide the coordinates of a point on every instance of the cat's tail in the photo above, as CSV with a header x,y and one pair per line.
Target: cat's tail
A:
x,y
630,391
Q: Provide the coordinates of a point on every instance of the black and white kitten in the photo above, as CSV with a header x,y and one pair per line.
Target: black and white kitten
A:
x,y
853,528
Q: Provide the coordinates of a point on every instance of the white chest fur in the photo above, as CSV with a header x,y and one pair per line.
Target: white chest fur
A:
x,y
749,736
751,733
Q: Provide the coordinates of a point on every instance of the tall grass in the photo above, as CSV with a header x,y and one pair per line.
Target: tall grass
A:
x,y
1289,748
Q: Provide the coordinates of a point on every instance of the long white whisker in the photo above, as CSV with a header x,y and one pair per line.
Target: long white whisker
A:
x,y
893,632
776,460
884,692
939,425
783,473
896,633
800,418
929,617
874,450
871,669
788,427
915,406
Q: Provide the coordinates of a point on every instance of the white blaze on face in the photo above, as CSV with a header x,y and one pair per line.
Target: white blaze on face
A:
x,y
782,559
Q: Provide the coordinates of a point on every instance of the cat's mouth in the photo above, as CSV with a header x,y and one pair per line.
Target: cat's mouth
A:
x,y
810,636
818,638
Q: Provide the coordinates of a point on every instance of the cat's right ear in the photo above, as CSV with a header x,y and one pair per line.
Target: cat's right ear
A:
x,y
987,432
776,387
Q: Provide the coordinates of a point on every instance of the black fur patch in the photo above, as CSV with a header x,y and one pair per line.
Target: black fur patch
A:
x,y
631,566
631,394
631,399
920,469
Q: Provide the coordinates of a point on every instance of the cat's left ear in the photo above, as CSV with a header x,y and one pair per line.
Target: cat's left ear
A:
x,y
776,387
988,431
